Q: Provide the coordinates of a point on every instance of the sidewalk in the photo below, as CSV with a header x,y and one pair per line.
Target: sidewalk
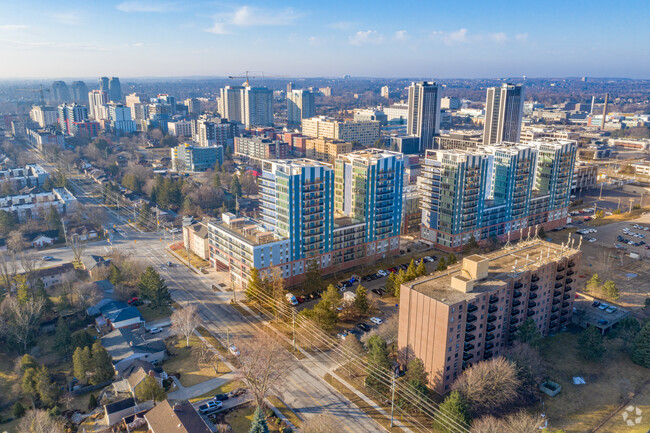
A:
x,y
183,393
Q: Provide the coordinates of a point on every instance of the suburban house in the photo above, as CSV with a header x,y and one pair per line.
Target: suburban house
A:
x,y
135,373
115,412
179,418
195,234
43,238
93,264
54,275
126,346
84,232
117,314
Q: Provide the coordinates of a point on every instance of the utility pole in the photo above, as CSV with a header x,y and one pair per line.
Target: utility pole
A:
x,y
65,232
631,201
619,204
228,337
600,197
187,248
293,317
392,402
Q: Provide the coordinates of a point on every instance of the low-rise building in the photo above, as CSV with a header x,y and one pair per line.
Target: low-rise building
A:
x,y
326,149
37,205
459,140
180,128
584,176
126,346
178,418
190,158
49,136
195,237
473,310
29,176
53,275
260,148
365,132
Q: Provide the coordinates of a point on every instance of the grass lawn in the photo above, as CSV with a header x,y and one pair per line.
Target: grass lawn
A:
x,y
285,410
240,420
11,426
212,340
580,408
195,260
623,216
151,314
183,361
226,387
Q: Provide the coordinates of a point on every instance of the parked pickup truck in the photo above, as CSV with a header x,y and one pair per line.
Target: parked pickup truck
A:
x,y
210,407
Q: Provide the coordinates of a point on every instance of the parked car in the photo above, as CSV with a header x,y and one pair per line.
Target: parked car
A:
x,y
603,306
595,304
363,327
236,392
603,322
155,330
376,320
133,300
611,309
221,397
300,299
210,407
377,292
47,258
233,350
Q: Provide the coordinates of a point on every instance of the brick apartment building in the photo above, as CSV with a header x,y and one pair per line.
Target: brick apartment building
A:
x,y
471,312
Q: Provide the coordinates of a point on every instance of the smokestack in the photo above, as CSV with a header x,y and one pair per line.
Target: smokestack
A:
x,y
593,102
602,126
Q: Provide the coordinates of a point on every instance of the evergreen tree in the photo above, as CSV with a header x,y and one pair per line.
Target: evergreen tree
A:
x,y
82,363
47,184
152,287
63,337
92,402
417,380
235,186
41,293
81,339
378,362
627,330
451,259
27,362
115,275
48,392
641,348
149,389
54,219
611,291
22,288
216,181
101,363
18,410
8,222
390,282
259,422
593,283
254,285
144,215
528,333
421,269
471,245
361,300
441,265
452,411
399,280
325,313
411,273
591,344
29,383
313,278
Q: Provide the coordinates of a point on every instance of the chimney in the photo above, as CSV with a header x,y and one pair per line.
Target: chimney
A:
x,y
177,407
152,373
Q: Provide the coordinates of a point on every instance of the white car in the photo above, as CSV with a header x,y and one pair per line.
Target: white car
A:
x,y
376,320
381,273
592,239
155,330
47,258
233,350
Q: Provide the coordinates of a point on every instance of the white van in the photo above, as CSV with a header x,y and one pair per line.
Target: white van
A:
x,y
292,299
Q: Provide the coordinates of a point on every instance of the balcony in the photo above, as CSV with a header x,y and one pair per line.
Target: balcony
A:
x,y
567,289
512,330
533,287
565,297
565,312
471,318
515,311
492,309
514,321
557,293
565,304
469,337
532,296
534,278
558,285
530,313
494,299
516,303
531,304
556,301
570,272
491,318
569,280
571,264
471,308
490,328
560,268
518,285
555,309
554,317
468,347
559,277
466,364
489,346
467,356
489,337
563,319
516,294
487,354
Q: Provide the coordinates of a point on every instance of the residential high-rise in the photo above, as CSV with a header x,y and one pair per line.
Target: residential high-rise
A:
x,y
188,158
365,133
166,99
504,108
385,92
79,91
43,115
424,112
368,188
230,103
214,132
252,106
60,92
120,117
494,192
300,105
103,84
114,90
68,113
472,311
97,99
193,107
261,148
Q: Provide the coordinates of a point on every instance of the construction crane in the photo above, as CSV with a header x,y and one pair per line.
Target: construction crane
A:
x,y
247,76
40,91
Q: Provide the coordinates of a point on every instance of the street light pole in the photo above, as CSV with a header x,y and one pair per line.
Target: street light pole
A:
x,y
293,317
392,402
600,197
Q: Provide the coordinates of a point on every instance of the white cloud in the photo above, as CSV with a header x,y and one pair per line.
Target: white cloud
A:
x,y
457,37
67,18
56,45
342,25
401,35
499,37
247,16
12,26
147,6
521,37
366,37
138,44
314,41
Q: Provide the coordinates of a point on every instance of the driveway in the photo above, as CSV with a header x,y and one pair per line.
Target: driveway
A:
x,y
183,393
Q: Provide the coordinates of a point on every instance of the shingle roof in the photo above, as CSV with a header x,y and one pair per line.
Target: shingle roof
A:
x,y
127,313
181,418
123,343
120,405
113,306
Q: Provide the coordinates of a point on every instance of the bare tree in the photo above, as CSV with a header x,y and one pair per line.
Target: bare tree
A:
x,y
206,354
520,422
16,241
263,362
606,259
29,263
22,318
387,330
85,295
323,423
78,248
39,421
7,268
185,321
489,386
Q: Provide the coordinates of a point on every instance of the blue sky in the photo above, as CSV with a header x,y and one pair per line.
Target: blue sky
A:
x,y
438,39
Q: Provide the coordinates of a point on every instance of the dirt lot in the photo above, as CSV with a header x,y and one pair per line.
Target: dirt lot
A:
x,y
611,264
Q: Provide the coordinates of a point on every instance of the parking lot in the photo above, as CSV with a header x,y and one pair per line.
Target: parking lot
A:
x,y
602,315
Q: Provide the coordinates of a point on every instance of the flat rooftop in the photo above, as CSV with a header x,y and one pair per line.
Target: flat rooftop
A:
x,y
249,231
504,263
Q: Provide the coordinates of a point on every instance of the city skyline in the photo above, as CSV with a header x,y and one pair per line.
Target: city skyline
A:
x,y
138,38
